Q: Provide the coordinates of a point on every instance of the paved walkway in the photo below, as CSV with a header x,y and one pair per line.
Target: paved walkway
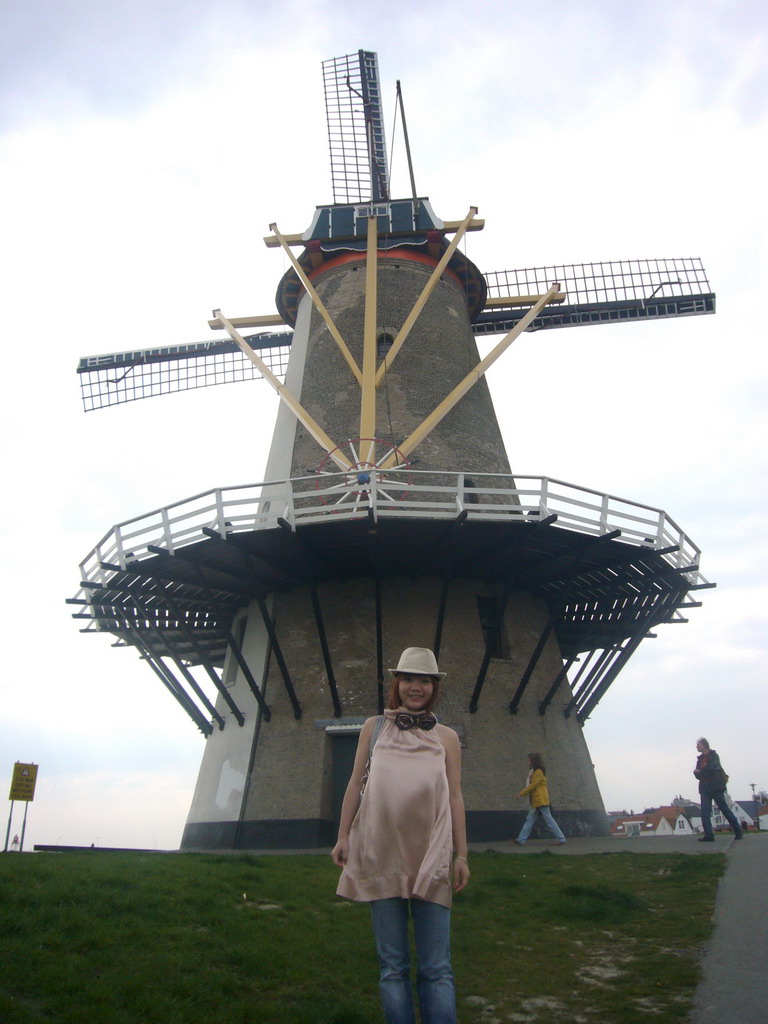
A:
x,y
735,983
734,986
608,844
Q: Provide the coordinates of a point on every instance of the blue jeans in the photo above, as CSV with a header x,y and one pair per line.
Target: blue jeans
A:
x,y
434,977
549,821
718,795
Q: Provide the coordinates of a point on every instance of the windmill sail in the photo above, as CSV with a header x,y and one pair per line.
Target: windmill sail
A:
x,y
598,293
355,128
120,377
613,292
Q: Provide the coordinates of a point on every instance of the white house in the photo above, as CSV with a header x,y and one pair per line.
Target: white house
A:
x,y
746,812
664,821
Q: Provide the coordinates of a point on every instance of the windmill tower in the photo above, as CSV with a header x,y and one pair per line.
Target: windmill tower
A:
x,y
389,518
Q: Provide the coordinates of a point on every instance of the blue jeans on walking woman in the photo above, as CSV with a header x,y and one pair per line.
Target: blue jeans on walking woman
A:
x,y
718,795
549,821
434,977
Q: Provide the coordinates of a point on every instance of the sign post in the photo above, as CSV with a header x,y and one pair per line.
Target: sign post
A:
x,y
22,788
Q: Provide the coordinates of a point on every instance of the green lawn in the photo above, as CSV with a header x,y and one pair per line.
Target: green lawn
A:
x,y
97,938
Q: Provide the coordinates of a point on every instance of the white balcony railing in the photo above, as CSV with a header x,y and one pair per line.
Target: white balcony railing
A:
x,y
404,494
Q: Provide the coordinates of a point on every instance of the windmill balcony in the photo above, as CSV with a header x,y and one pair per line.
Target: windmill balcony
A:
x,y
406,495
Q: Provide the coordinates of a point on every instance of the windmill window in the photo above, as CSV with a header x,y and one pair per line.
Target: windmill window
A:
x,y
384,343
372,211
493,634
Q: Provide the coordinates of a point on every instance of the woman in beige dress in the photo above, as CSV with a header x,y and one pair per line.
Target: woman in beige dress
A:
x,y
402,846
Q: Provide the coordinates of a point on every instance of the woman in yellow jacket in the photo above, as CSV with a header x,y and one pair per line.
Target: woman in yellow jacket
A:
x,y
538,795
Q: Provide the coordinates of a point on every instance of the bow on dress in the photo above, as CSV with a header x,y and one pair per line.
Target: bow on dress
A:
x,y
424,721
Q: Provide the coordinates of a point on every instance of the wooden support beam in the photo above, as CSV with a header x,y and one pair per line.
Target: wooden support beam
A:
x,y
169,681
252,558
268,320
555,612
205,661
509,301
269,625
234,582
561,676
429,287
244,667
163,641
587,702
451,226
595,673
368,398
323,637
321,308
274,242
234,646
442,410
298,410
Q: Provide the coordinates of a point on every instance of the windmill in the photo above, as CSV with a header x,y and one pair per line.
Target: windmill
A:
x,y
389,517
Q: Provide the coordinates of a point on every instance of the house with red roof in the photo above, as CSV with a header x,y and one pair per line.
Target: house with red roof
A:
x,y
683,818
656,821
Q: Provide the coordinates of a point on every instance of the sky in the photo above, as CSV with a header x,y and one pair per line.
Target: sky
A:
x,y
144,151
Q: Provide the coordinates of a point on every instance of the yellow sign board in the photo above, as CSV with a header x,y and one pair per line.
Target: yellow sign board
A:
x,y
23,782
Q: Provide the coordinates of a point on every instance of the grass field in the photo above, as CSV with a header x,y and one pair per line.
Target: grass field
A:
x,y
123,938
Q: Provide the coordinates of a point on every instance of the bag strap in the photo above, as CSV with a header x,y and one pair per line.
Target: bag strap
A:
x,y
374,736
375,733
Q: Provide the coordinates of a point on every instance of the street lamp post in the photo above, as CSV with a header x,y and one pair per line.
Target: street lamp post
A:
x,y
757,810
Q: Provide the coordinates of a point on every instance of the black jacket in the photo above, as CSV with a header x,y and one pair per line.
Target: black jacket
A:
x,y
711,776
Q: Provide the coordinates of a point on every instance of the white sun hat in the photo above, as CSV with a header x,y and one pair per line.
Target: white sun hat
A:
x,y
417,661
